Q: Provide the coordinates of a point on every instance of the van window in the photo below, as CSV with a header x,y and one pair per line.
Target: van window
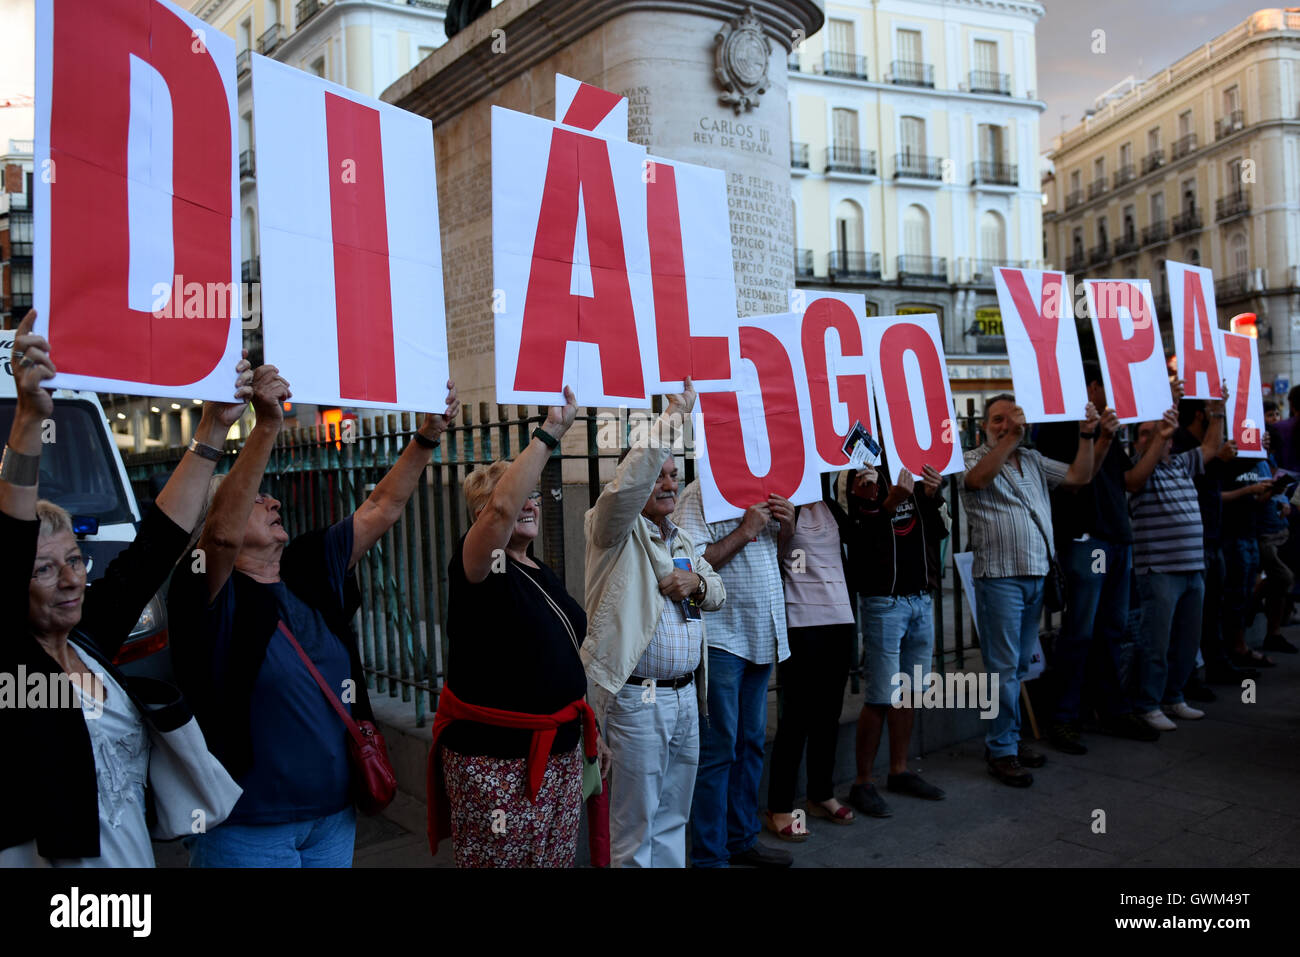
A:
x,y
78,469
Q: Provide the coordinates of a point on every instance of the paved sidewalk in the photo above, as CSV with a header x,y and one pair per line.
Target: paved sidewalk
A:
x,y
1221,791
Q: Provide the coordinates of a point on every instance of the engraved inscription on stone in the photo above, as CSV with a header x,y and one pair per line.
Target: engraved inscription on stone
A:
x,y
761,242
640,126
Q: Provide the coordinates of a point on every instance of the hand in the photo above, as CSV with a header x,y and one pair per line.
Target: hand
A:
x,y
1017,430
1286,509
1090,418
434,425
1262,490
901,491
560,417
1218,405
755,519
931,481
679,584
782,511
864,483
31,366
218,417
1176,390
1109,422
1227,451
683,402
605,756
1168,425
270,392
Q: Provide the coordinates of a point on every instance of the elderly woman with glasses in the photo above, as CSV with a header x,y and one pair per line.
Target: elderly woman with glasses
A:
x,y
505,768
76,765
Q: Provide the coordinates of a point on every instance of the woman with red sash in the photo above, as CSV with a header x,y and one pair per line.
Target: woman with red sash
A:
x,y
505,768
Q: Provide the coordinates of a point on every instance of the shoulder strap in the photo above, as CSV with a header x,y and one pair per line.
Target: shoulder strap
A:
x,y
568,625
1033,515
353,729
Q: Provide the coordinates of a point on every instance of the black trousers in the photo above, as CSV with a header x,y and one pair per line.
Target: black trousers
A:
x,y
812,697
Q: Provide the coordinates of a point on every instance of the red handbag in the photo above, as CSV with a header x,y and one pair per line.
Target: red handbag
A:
x,y
374,785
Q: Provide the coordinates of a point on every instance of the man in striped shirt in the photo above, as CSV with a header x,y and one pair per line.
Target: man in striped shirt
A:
x,y
1169,559
1009,517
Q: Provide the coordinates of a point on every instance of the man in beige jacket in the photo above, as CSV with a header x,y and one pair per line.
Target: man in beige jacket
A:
x,y
645,647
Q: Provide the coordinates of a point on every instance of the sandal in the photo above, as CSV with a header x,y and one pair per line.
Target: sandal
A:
x,y
787,833
1252,658
844,815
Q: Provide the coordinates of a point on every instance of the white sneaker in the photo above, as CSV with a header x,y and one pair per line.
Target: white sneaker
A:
x,y
1158,721
1185,711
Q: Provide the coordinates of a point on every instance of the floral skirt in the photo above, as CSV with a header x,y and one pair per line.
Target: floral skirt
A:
x,y
493,824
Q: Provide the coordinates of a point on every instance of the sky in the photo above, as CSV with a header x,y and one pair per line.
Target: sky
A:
x,y
1141,39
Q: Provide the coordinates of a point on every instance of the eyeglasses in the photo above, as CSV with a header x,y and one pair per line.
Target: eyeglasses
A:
x,y
49,572
535,497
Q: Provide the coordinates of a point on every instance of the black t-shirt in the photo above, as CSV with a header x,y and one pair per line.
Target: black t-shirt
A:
x,y
1218,519
1100,508
508,649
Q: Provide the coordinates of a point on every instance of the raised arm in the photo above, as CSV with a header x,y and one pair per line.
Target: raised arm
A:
x,y
983,472
1107,428
724,549
20,471
1136,477
1216,416
622,500
384,506
492,529
223,531
1080,472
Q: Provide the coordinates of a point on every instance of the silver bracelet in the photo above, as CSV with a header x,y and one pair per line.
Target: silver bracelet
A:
x,y
17,468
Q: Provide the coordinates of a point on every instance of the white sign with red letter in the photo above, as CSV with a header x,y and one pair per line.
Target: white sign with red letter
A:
x,y
350,248
1195,324
588,107
751,442
136,258
1042,344
1129,347
832,340
1246,394
910,377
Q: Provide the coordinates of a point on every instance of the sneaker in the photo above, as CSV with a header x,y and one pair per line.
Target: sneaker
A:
x,y
1278,643
1158,721
1184,710
1128,726
1010,771
909,782
1196,691
1029,757
760,856
1065,737
865,798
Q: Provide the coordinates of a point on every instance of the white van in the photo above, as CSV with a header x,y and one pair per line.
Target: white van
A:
x,y
82,470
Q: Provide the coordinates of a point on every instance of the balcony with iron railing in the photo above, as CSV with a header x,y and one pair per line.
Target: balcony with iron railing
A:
x,y
932,268
987,173
1097,187
1124,174
981,270
270,39
803,263
1126,245
1153,160
1232,287
1157,232
1183,146
243,62
1073,198
306,9
1231,206
1227,125
1188,221
1099,253
1076,261
20,251
984,81
917,166
799,155
911,73
851,264
246,164
835,63
848,159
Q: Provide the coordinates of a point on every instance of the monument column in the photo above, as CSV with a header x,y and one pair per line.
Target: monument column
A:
x,y
705,82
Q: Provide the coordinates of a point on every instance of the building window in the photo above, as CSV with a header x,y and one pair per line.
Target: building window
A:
x,y
245,35
1130,222
848,227
912,133
1194,257
424,52
1076,244
844,129
840,36
992,143
1237,254
1102,237
1184,123
318,67
986,56
916,231
1231,100
1126,155
272,13
1189,196
993,238
1099,169
1076,181
1233,182
1157,207
909,46
1153,140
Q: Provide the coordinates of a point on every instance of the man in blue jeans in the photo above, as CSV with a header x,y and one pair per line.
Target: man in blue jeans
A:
x,y
1169,558
1009,517
1094,541
746,636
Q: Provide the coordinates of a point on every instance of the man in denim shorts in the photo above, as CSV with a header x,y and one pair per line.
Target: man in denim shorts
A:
x,y
894,563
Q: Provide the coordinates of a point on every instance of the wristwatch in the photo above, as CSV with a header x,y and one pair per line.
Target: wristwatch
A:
x,y
425,442
205,451
703,589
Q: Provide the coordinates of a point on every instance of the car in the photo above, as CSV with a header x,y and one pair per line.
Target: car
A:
x,y
82,471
